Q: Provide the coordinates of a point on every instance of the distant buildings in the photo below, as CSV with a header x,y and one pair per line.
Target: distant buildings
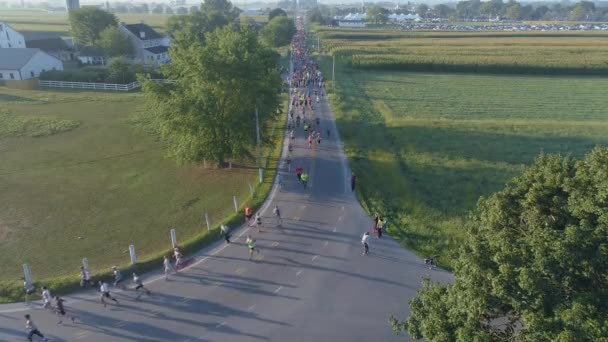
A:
x,y
24,63
9,38
151,47
71,5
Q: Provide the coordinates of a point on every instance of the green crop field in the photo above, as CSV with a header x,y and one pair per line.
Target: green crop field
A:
x,y
79,179
426,146
483,52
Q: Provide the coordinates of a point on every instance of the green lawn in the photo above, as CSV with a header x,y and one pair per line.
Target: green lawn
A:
x,y
427,146
78,179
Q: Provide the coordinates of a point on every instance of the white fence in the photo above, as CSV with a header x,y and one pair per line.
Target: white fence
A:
x,y
96,86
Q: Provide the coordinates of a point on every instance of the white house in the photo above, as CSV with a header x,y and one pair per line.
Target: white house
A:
x,y
9,38
24,63
150,46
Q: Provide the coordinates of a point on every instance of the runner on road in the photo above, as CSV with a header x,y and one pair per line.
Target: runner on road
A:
x,y
60,309
168,268
118,278
251,245
105,293
32,329
46,295
258,221
139,285
277,213
225,232
364,241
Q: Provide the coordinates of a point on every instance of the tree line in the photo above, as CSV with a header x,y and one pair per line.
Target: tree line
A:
x,y
478,10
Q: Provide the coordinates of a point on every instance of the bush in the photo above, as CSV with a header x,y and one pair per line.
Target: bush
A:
x,y
95,75
119,71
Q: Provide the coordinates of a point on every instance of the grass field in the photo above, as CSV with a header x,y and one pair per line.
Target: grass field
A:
x,y
89,183
426,146
484,52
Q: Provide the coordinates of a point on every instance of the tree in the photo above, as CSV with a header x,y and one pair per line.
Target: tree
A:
x,y
87,23
422,10
278,32
275,13
443,10
168,10
514,12
181,10
212,14
582,10
121,72
159,9
534,263
377,15
315,16
209,113
539,12
114,43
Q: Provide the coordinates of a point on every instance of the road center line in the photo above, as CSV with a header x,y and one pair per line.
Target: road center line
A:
x,y
334,230
314,257
278,289
298,273
186,299
274,244
251,307
220,325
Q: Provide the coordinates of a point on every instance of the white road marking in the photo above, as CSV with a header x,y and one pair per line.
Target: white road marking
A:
x,y
220,325
251,307
186,299
121,324
302,207
298,273
314,257
278,289
334,230
325,243
340,218
274,244
342,207
81,335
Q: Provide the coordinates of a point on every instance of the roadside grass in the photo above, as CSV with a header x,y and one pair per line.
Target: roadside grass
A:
x,y
426,146
92,191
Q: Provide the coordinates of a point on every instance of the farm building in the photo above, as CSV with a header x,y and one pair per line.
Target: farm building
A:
x,y
24,63
150,46
9,38
56,47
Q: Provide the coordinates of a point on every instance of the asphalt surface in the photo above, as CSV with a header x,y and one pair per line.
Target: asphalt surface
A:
x,y
310,281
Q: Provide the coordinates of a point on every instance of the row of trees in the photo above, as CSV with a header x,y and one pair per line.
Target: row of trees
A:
x,y
476,9
225,71
91,26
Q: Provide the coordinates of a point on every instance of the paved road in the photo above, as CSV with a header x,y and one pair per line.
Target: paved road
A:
x,y
309,283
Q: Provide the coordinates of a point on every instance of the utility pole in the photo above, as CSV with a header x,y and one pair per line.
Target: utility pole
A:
x,y
333,74
257,131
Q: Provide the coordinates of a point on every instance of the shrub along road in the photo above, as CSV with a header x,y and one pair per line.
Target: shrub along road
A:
x,y
309,282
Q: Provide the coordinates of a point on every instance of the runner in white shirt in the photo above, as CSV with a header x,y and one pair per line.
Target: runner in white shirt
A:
x,y
167,266
105,293
46,295
364,241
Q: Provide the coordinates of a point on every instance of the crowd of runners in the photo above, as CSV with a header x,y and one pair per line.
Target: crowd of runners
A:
x,y
307,88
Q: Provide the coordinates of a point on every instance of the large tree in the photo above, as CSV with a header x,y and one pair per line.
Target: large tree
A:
x,y
377,14
209,114
276,13
87,23
114,43
534,266
278,32
212,14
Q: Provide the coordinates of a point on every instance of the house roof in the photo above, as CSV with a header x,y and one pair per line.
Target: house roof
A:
x,y
16,58
48,45
157,49
135,29
90,51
